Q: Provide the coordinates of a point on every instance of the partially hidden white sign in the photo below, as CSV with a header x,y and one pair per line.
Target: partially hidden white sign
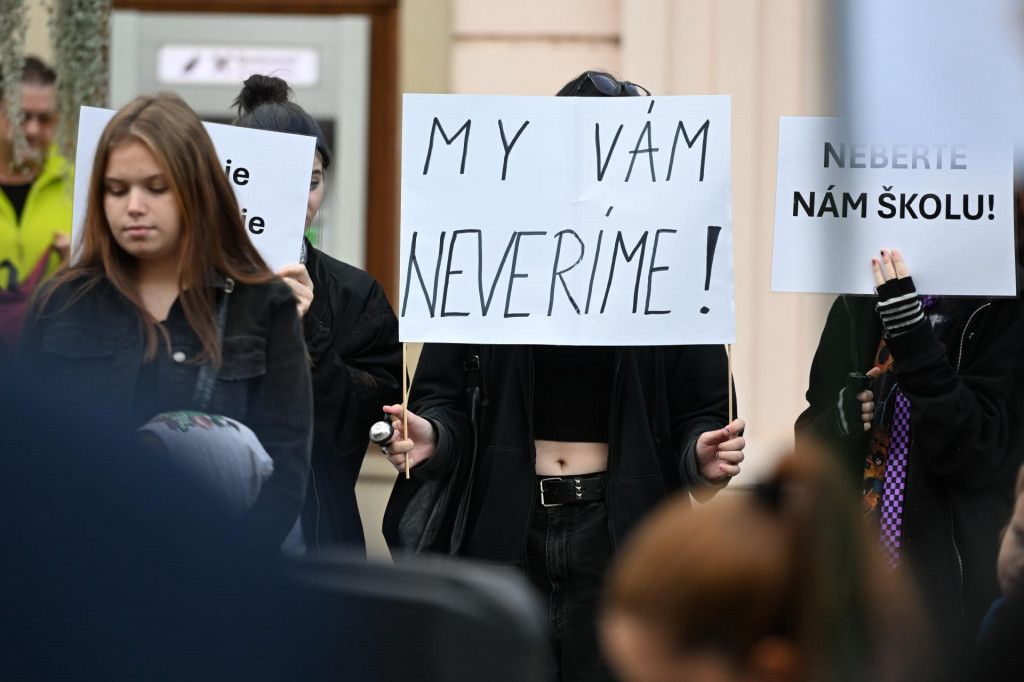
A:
x,y
269,173
561,220
946,205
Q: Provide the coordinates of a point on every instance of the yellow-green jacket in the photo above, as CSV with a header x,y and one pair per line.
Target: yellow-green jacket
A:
x,y
47,210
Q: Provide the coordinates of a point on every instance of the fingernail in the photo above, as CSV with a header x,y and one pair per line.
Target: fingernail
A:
x,y
727,431
874,261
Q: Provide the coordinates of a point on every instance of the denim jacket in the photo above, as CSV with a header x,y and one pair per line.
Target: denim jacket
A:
x,y
92,350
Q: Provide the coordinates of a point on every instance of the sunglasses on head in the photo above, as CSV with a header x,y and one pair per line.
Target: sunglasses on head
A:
x,y
610,87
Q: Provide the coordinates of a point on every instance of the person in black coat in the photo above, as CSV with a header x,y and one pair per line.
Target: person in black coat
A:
x,y
351,333
574,446
934,444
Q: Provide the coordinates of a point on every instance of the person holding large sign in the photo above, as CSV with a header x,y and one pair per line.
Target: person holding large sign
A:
x,y
923,399
170,307
572,446
351,333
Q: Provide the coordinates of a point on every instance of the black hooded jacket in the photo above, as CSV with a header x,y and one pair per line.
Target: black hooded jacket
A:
x,y
967,438
662,399
352,337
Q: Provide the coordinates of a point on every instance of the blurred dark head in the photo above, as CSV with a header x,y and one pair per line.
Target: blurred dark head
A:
x,y
265,104
118,560
784,579
35,72
39,113
601,84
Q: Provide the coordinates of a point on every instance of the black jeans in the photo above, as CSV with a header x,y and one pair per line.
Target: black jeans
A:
x,y
568,551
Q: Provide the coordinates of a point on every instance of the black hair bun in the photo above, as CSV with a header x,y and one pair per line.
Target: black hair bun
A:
x,y
259,89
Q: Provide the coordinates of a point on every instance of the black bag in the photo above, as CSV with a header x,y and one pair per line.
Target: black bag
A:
x,y
429,515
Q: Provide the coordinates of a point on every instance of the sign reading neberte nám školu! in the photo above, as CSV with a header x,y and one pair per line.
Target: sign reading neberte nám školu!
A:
x,y
947,205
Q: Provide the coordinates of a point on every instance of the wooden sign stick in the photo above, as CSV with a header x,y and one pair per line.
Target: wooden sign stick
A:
x,y
405,401
728,355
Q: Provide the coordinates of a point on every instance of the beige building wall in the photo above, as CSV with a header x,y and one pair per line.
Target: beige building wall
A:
x,y
531,47
772,56
37,41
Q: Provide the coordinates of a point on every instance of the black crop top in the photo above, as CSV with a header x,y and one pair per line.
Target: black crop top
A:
x,y
572,393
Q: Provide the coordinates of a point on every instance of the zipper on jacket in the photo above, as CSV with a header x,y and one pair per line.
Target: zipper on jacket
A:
x,y
533,454
963,335
952,515
959,560
608,471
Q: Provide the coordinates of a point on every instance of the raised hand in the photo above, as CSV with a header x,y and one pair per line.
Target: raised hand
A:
x,y
889,266
297,277
899,306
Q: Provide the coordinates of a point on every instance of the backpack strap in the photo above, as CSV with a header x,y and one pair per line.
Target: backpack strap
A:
x,y
207,378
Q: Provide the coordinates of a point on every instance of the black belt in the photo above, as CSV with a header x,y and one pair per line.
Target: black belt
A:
x,y
558,490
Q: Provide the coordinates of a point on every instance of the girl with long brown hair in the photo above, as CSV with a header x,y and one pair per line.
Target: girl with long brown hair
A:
x,y
168,305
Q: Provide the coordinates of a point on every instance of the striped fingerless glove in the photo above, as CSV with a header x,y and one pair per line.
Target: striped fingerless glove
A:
x,y
899,306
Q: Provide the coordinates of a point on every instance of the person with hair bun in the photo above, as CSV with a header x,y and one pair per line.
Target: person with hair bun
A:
x,y
169,307
351,333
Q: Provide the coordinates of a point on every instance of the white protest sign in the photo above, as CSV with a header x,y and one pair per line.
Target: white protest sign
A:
x,y
566,220
269,173
947,206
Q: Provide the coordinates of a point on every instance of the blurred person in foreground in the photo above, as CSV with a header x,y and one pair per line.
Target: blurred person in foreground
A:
x,y
1000,655
933,445
119,565
35,200
351,333
781,584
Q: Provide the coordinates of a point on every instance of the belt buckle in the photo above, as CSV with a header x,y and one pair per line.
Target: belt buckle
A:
x,y
542,502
